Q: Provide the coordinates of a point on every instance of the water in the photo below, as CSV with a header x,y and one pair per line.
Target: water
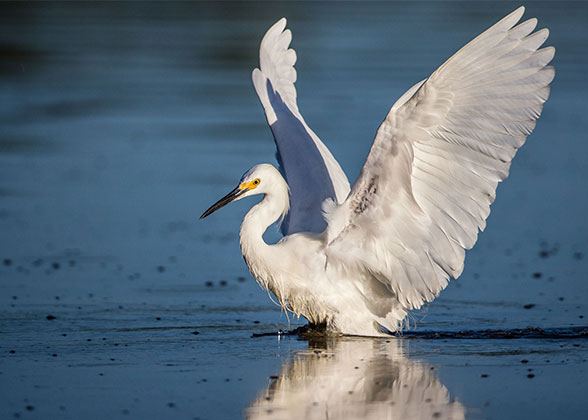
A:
x,y
121,123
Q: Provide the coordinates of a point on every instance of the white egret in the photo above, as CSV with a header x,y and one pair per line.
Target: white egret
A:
x,y
355,261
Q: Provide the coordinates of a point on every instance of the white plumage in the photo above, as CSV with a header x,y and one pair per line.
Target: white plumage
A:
x,y
395,240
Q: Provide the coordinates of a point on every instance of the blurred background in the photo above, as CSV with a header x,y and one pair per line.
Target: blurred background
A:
x,y
122,122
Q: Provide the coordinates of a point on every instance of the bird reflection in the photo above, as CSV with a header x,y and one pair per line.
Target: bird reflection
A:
x,y
352,379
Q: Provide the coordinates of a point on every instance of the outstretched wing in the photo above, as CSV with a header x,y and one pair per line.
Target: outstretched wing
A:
x,y
311,171
432,172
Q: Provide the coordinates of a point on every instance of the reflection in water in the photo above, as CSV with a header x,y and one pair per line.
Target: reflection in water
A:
x,y
355,378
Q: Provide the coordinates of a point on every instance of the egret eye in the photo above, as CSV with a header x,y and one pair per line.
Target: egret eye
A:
x,y
256,182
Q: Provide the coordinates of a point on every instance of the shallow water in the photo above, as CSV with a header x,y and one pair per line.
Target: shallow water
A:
x,y
121,123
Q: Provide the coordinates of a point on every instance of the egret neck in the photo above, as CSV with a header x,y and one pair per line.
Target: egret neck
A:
x,y
260,256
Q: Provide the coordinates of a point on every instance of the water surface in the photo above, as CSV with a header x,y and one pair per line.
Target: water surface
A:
x,y
122,122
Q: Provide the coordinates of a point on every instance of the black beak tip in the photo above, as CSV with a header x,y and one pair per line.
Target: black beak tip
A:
x,y
223,202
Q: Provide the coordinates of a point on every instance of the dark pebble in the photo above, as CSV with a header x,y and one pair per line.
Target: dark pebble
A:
x,y
7,261
274,377
158,318
209,284
543,254
161,268
51,317
14,297
240,279
55,265
578,255
530,376
484,375
223,282
195,332
54,355
57,298
524,361
537,275
529,306
11,352
256,322
561,299
30,408
580,316
171,405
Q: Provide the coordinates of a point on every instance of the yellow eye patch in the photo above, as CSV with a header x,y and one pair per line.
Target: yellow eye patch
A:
x,y
250,185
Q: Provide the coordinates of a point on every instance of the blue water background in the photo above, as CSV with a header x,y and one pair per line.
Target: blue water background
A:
x,y
122,122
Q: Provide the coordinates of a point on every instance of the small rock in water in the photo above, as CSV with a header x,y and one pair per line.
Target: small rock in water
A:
x,y
51,317
537,275
195,332
524,361
529,306
223,282
484,375
530,376
55,265
160,268
7,261
209,284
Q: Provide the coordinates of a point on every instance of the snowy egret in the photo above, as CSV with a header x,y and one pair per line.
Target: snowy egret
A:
x,y
355,261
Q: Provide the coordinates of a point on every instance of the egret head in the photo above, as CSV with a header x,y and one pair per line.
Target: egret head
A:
x,y
261,179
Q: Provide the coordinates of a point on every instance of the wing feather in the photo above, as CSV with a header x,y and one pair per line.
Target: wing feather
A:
x,y
426,187
310,169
